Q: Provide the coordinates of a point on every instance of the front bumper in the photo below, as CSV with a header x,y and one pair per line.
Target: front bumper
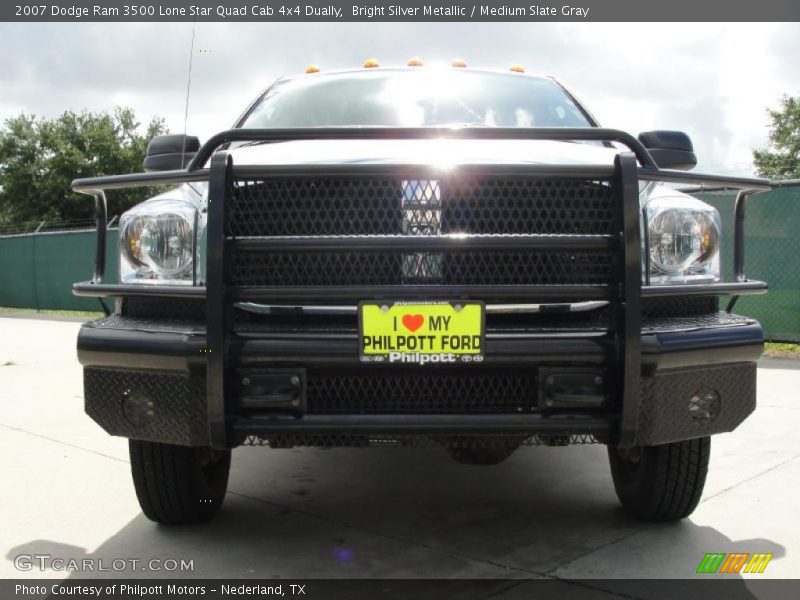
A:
x,y
146,379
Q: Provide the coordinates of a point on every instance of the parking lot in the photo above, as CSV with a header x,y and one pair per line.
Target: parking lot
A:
x,y
376,513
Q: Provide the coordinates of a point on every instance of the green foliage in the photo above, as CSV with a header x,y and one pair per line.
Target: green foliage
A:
x,y
782,350
782,159
40,157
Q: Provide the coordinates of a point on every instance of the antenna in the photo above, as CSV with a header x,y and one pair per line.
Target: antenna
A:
x,y
188,90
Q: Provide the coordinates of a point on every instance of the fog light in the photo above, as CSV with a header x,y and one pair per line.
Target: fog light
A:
x,y
137,408
704,406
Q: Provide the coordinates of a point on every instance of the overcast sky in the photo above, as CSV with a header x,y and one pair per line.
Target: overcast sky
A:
x,y
713,81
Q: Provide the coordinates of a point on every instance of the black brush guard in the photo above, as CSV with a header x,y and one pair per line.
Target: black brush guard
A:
x,y
624,292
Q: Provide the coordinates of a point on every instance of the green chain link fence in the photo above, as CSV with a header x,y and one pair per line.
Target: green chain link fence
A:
x,y
772,254
37,270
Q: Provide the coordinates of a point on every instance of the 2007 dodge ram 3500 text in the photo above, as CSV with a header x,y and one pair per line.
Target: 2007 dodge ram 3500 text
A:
x,y
419,255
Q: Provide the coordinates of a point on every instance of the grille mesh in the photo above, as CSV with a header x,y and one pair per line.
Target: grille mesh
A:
x,y
289,206
507,206
386,268
386,392
315,207
385,206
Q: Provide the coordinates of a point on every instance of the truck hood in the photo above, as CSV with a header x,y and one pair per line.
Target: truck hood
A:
x,y
424,152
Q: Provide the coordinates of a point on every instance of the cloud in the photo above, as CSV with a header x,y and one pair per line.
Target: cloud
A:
x,y
714,81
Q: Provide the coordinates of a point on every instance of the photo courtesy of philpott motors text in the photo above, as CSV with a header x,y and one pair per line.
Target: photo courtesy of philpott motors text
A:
x,y
524,271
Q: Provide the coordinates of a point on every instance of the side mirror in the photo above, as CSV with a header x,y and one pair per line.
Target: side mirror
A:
x,y
170,152
670,149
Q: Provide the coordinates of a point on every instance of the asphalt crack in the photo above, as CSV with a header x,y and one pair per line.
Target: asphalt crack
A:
x,y
551,572
390,536
751,478
61,442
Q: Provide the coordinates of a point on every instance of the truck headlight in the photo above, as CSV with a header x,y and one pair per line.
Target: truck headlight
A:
x,y
157,243
683,236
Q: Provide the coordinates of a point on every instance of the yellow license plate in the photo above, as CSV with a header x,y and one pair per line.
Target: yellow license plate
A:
x,y
421,333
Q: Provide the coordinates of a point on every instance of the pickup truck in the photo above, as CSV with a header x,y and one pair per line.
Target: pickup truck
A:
x,y
425,255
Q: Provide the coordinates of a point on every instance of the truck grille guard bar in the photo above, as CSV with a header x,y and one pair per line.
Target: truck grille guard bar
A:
x,y
625,298
648,171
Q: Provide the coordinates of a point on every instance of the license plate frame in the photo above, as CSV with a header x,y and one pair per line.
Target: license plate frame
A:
x,y
450,332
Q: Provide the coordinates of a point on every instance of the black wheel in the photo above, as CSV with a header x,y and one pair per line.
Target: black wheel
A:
x,y
178,485
661,483
482,455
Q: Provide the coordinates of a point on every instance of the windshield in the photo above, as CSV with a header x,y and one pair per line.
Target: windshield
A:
x,y
416,98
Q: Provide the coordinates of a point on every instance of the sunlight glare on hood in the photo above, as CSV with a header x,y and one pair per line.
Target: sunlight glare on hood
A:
x,y
437,83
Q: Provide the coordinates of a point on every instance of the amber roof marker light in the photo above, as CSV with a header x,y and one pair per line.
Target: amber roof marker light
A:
x,y
459,62
312,69
517,68
371,63
414,62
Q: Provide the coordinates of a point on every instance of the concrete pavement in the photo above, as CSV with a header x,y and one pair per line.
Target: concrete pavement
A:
x,y
378,513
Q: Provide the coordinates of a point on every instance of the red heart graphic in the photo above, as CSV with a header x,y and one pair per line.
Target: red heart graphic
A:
x,y
413,322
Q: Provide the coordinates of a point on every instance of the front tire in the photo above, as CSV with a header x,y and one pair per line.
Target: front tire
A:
x,y
661,483
179,485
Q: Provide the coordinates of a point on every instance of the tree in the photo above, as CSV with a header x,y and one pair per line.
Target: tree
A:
x,y
782,159
40,157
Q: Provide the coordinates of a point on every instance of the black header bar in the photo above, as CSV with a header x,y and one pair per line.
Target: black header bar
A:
x,y
397,589
400,10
